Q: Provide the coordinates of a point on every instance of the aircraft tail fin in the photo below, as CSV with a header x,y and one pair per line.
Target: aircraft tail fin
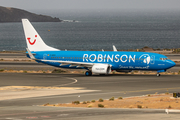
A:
x,y
33,40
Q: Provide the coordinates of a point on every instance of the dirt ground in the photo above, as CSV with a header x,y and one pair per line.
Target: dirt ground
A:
x,y
157,101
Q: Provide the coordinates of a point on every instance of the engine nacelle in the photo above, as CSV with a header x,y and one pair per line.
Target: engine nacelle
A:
x,y
101,68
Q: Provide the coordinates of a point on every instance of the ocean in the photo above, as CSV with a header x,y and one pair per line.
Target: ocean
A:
x,y
100,30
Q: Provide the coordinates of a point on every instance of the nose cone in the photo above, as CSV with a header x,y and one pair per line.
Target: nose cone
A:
x,y
171,63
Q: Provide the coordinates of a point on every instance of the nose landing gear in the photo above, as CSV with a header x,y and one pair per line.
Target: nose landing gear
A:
x,y
88,73
158,74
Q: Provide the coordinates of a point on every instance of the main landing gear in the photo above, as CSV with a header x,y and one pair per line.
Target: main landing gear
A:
x,y
88,73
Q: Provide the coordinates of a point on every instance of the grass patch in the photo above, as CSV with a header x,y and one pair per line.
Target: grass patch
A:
x,y
101,100
75,102
1,70
100,105
111,99
120,98
139,106
58,71
84,102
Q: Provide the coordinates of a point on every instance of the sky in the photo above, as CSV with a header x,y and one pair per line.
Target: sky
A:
x,y
92,4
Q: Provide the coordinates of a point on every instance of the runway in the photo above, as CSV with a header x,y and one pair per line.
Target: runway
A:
x,y
105,87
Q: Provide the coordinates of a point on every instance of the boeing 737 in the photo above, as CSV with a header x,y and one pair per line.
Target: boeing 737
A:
x,y
99,62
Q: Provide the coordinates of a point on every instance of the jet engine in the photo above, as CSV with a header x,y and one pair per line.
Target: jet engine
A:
x,y
101,68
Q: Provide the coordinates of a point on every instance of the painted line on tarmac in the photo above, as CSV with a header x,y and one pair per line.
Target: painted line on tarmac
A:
x,y
75,81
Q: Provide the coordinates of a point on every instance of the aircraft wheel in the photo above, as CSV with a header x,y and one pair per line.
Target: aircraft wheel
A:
x,y
88,73
158,74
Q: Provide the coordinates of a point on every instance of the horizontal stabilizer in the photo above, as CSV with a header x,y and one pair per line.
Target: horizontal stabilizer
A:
x,y
30,54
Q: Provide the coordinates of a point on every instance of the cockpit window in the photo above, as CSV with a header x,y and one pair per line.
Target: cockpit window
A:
x,y
163,58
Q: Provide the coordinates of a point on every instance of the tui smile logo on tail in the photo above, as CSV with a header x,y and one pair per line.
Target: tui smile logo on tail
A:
x,y
31,43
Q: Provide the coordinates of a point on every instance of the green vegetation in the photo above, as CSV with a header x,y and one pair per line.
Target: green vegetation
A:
x,y
101,100
111,99
88,101
93,101
100,105
24,71
120,98
84,102
76,102
1,70
139,106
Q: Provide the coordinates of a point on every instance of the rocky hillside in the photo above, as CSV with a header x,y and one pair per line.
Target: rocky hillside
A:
x,y
15,15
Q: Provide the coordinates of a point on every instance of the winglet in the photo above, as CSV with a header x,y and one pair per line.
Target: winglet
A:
x,y
30,54
114,48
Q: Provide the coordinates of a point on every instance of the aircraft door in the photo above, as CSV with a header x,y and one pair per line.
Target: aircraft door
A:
x,y
152,59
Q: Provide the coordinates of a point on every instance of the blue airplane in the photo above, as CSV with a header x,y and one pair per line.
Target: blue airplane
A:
x,y
99,62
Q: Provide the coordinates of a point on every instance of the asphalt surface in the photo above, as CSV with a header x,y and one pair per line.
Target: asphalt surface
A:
x,y
106,86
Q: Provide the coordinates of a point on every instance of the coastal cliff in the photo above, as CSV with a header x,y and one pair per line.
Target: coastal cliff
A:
x,y
15,15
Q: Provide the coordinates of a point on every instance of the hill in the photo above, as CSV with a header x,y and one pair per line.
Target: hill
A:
x,y
15,15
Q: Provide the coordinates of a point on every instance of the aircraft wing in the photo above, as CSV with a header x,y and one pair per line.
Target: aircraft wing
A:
x,y
71,63
114,48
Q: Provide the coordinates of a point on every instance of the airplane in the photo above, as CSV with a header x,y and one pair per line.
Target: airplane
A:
x,y
98,62
114,48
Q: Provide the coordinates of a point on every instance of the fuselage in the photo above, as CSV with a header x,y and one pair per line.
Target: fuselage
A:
x,y
117,60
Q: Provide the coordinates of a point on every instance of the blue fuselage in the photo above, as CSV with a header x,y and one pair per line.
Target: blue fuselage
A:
x,y
118,60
